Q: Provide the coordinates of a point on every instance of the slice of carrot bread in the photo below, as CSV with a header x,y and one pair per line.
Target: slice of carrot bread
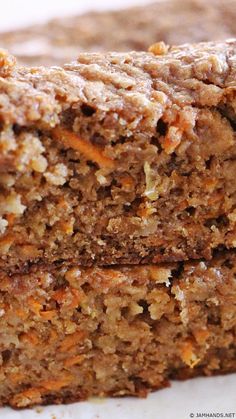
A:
x,y
119,158
134,28
68,332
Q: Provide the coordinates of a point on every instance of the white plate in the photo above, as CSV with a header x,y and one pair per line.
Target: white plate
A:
x,y
214,397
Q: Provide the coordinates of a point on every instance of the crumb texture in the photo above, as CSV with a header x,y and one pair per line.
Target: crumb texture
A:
x,y
125,160
68,332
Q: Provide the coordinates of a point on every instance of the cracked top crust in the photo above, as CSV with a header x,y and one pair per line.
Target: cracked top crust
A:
x,y
137,86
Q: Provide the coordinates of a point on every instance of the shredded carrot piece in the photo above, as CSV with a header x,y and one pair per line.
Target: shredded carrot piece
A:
x,y
216,197
188,356
21,313
159,48
210,184
60,295
145,211
62,203
74,360
29,250
76,298
48,315
172,139
16,377
127,182
34,305
182,205
54,385
91,152
32,394
69,296
201,335
72,340
53,336
66,227
30,337
6,242
10,219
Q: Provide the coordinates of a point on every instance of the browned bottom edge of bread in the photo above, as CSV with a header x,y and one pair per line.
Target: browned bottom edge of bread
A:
x,y
69,333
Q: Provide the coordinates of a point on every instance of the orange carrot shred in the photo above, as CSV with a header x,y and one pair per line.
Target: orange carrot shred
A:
x,y
74,360
48,315
30,393
188,356
30,337
77,296
21,313
72,340
201,335
71,297
60,295
91,152
16,377
53,336
54,385
34,305
10,219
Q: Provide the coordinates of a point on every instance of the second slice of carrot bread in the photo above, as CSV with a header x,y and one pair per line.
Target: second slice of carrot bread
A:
x,y
68,333
119,158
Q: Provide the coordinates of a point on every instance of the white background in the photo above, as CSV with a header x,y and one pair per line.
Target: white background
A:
x,y
17,13
208,395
